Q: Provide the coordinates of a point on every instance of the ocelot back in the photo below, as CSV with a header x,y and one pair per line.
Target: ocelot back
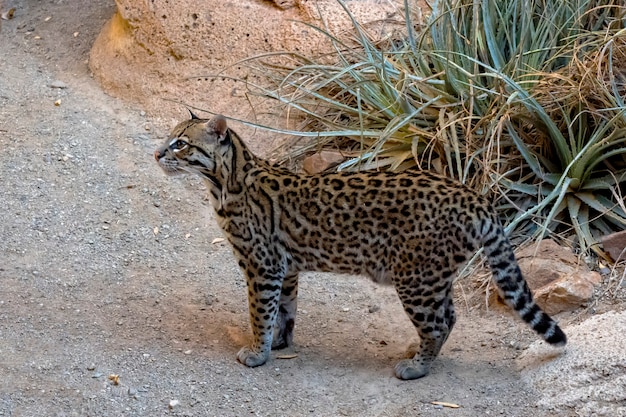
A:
x,y
411,230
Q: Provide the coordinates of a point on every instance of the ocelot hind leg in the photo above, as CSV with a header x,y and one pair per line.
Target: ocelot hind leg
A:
x,y
286,320
434,318
450,320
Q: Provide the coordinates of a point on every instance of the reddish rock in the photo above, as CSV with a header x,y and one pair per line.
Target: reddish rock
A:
x,y
321,161
614,244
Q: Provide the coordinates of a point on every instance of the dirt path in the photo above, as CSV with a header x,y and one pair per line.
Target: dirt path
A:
x,y
108,268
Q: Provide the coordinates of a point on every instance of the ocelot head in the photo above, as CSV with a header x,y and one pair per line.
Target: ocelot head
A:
x,y
195,146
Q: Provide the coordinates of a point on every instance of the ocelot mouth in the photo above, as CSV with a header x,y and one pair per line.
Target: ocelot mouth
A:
x,y
170,167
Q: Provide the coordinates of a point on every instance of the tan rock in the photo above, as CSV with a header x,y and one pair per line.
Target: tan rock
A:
x,y
568,292
559,281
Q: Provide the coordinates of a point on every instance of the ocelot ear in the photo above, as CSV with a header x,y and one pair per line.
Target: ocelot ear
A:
x,y
193,116
219,126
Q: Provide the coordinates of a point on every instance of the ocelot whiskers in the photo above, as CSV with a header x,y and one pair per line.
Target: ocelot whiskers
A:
x,y
411,230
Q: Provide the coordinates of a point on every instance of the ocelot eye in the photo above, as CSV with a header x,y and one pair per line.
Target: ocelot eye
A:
x,y
178,145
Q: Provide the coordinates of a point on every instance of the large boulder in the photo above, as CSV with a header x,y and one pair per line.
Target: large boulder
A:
x,y
152,52
589,377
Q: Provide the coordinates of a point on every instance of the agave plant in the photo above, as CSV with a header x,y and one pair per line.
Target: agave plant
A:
x,y
506,51
577,152
521,98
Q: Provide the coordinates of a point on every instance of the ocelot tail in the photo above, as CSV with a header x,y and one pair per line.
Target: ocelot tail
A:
x,y
411,230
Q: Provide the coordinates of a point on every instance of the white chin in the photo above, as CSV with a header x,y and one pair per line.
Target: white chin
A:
x,y
169,170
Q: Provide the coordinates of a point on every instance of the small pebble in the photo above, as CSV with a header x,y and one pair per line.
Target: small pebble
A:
x,y
58,84
209,299
374,309
174,403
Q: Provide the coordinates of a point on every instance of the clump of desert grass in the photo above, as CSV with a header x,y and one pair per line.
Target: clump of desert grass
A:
x,y
520,99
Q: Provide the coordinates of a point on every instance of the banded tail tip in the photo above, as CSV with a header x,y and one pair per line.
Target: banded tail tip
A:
x,y
557,338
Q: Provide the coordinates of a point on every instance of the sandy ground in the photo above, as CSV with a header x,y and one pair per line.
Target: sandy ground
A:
x,y
109,268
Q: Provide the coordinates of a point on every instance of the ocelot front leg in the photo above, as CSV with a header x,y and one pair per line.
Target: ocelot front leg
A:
x,y
286,320
264,293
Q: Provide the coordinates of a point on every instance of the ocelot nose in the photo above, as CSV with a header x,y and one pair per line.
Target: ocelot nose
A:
x,y
158,155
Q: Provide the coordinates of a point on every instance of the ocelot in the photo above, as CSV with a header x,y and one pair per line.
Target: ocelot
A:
x,y
411,230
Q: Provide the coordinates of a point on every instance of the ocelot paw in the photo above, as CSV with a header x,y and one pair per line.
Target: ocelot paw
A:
x,y
411,369
280,342
283,336
251,358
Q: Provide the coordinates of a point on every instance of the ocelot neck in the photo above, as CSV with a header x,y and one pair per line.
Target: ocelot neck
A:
x,y
235,162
